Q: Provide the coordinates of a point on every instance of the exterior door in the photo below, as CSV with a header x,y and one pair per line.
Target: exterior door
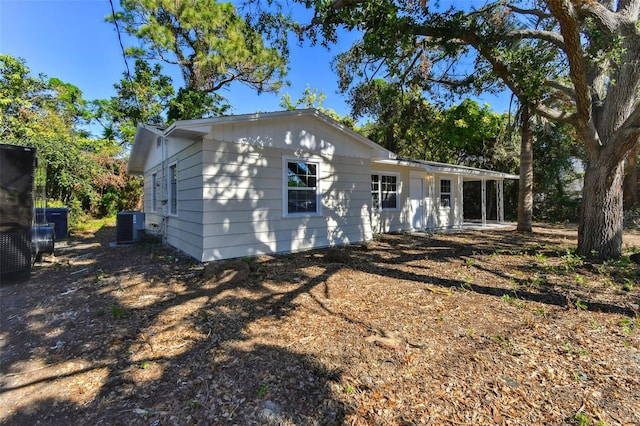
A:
x,y
417,202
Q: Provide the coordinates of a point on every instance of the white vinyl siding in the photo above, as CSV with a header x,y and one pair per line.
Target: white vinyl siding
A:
x,y
228,195
448,201
391,190
246,209
184,230
231,183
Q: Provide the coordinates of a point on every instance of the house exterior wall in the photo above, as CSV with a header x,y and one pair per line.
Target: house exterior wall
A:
x,y
153,214
393,220
184,229
434,215
243,188
232,194
300,134
447,217
154,165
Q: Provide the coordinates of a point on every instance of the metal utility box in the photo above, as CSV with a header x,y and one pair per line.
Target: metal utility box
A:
x,y
17,169
129,226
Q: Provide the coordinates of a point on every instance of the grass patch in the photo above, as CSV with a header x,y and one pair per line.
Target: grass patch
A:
x,y
93,225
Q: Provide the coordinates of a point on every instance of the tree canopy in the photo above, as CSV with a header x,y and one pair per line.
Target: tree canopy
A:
x,y
311,98
47,113
210,42
405,122
144,97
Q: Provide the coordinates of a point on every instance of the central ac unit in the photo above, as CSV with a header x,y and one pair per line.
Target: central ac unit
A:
x,y
129,227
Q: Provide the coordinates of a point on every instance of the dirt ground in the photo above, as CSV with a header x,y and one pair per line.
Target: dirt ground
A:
x,y
476,328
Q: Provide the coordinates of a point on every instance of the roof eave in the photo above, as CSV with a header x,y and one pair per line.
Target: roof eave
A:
x,y
145,136
452,169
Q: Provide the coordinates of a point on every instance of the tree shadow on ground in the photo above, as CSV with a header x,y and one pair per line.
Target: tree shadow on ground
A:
x,y
183,349
68,319
549,241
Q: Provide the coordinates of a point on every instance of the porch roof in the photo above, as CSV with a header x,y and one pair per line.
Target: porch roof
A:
x,y
469,173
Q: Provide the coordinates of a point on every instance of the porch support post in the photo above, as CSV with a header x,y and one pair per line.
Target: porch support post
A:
x,y
483,195
459,215
500,198
432,203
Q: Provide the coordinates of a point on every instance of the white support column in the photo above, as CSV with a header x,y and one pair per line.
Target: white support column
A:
x,y
483,194
500,197
459,213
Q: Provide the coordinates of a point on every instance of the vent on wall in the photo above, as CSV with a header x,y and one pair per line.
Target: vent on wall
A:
x,y
129,227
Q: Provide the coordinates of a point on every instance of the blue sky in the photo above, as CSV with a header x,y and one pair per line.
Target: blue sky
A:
x,y
70,40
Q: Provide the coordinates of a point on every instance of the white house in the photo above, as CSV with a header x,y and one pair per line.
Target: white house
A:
x,y
278,182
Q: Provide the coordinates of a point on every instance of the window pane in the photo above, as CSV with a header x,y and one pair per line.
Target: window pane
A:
x,y
390,180
302,181
389,201
375,200
375,184
445,193
311,168
384,191
301,175
174,189
294,180
154,194
302,201
389,192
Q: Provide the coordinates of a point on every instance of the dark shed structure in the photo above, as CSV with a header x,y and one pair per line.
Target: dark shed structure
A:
x,y
17,169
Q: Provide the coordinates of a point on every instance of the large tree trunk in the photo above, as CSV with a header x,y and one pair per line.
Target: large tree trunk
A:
x,y
631,179
601,212
525,194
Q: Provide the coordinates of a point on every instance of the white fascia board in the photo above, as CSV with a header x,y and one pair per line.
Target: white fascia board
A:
x,y
451,169
405,163
189,129
466,170
472,171
145,137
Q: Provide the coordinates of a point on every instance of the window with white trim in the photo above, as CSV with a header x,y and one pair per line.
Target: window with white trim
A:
x,y
173,189
445,192
154,192
302,187
384,192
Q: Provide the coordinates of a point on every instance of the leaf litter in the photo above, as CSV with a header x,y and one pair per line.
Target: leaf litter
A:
x,y
486,327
